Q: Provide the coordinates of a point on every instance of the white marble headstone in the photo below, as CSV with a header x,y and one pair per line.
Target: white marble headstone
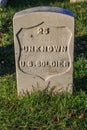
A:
x,y
77,0
3,3
44,42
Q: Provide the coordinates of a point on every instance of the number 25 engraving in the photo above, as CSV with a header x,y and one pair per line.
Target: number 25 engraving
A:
x,y
42,30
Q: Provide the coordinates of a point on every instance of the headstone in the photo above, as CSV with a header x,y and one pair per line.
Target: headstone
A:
x,y
3,3
77,0
44,38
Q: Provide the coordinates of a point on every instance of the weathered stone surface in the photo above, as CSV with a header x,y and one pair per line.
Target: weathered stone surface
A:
x,y
43,39
77,0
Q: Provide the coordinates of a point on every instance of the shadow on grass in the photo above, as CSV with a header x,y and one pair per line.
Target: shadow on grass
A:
x,y
7,63
31,3
80,82
81,46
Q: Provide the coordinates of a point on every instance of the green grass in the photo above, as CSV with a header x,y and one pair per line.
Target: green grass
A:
x,y
42,110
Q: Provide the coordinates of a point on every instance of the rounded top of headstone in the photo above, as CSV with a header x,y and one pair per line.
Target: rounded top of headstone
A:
x,y
46,9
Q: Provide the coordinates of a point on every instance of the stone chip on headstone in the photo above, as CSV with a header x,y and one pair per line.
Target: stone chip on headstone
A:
x,y
44,42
